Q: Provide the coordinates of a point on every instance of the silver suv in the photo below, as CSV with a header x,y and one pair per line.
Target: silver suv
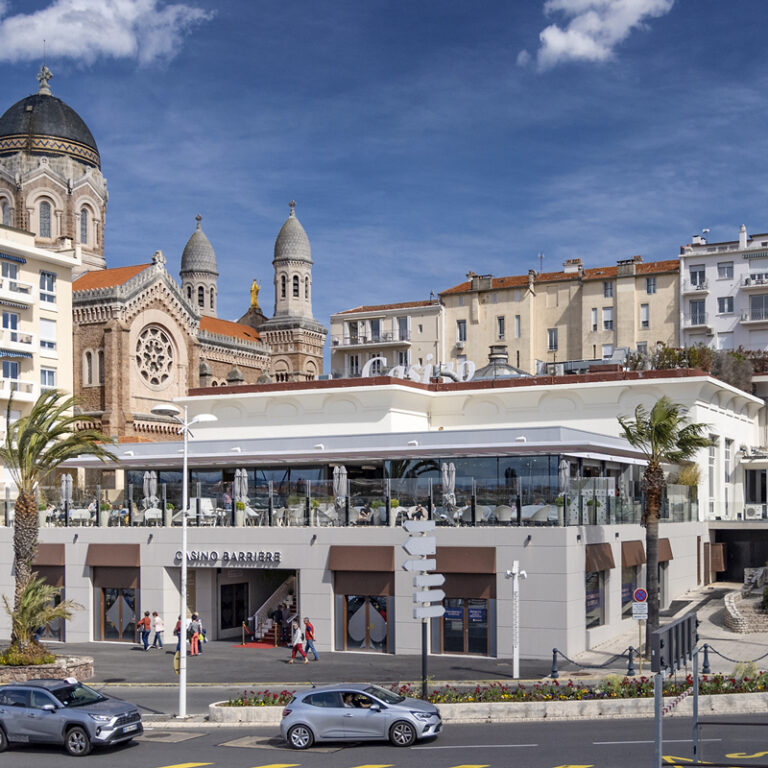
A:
x,y
64,712
357,712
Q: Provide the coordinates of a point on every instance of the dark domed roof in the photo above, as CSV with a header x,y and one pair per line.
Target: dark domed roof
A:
x,y
43,124
292,242
198,255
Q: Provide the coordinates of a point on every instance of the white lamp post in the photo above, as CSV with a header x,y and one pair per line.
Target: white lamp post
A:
x,y
174,412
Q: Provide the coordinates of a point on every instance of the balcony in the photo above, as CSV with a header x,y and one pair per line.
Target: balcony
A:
x,y
17,341
698,287
756,317
696,320
388,339
754,283
23,391
17,291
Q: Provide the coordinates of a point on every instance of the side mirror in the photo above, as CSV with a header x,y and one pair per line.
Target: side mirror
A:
x,y
49,708
375,707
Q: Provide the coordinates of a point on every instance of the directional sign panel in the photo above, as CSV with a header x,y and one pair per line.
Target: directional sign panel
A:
x,y
429,580
429,596
421,545
419,526
427,564
428,611
640,611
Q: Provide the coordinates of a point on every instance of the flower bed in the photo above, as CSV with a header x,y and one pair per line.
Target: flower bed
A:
x,y
80,667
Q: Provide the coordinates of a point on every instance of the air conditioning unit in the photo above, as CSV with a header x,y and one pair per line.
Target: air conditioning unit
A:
x,y
753,512
460,344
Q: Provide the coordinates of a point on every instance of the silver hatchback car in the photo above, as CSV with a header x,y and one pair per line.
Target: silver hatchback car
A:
x,y
357,712
64,712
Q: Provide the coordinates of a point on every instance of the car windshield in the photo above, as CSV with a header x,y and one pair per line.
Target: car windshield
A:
x,y
77,695
388,697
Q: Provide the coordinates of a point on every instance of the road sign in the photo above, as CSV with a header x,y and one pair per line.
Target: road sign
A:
x,y
428,611
419,526
420,545
640,611
427,564
640,595
429,580
429,596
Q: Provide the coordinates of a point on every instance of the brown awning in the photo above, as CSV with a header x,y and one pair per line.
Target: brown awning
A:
x,y
343,558
632,553
379,583
718,558
113,556
481,585
599,558
466,559
49,554
53,575
665,551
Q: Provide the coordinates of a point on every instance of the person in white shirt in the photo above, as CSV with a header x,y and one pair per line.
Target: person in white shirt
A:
x,y
159,627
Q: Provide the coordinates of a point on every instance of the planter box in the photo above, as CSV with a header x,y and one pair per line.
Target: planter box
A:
x,y
508,712
80,667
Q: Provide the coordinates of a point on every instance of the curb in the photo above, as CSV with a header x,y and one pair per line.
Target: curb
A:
x,y
509,712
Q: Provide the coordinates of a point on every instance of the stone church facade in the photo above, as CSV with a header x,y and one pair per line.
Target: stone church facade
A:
x,y
139,336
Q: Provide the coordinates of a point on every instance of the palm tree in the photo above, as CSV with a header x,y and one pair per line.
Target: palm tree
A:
x,y
35,445
665,436
37,608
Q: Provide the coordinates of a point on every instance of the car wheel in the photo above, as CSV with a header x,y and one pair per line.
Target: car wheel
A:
x,y
3,740
402,734
300,737
77,742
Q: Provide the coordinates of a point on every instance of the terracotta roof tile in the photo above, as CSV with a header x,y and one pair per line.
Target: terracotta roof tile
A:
x,y
381,307
107,278
228,328
594,273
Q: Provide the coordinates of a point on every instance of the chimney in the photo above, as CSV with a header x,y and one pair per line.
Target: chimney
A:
x,y
743,236
531,278
571,266
698,240
626,267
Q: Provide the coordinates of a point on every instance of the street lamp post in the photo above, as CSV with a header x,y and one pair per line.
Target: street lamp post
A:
x,y
180,415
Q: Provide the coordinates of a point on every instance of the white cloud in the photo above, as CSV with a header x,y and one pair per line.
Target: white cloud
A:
x,y
594,28
85,30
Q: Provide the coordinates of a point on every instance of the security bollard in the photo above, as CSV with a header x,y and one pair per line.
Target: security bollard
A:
x,y
705,668
631,664
554,674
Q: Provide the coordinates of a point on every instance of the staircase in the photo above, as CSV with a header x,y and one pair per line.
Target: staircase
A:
x,y
285,594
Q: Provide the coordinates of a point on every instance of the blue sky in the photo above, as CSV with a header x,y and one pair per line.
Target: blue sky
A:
x,y
420,140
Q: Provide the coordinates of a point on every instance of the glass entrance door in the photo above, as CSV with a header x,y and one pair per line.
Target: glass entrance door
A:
x,y
366,623
234,605
465,625
118,614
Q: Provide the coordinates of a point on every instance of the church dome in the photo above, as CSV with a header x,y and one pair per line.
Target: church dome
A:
x,y
45,125
198,255
292,243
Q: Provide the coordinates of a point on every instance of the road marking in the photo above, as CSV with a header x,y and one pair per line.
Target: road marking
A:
x,y
278,765
472,765
651,741
575,766
745,756
185,765
375,765
670,760
485,746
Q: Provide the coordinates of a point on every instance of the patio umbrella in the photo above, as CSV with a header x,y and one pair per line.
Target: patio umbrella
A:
x,y
562,476
243,484
66,488
340,484
236,485
153,488
147,482
448,478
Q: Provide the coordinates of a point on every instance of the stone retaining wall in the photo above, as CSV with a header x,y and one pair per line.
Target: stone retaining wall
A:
x,y
742,615
80,667
508,712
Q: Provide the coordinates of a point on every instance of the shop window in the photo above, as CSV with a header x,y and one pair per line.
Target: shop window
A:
x,y
595,598
465,626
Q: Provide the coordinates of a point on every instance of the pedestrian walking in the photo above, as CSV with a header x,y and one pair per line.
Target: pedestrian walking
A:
x,y
143,627
309,637
158,625
297,641
194,633
177,631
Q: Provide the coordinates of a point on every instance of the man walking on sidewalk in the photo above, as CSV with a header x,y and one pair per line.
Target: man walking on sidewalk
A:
x,y
159,626
309,636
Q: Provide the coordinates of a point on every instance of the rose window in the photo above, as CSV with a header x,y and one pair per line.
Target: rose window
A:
x,y
154,355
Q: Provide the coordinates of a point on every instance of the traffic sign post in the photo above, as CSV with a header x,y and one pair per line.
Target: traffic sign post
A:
x,y
427,602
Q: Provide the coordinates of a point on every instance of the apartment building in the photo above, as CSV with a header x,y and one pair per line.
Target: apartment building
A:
x,y
407,334
36,307
724,292
574,314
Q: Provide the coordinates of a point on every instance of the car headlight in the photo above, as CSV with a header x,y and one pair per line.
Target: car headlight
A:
x,y
422,715
101,718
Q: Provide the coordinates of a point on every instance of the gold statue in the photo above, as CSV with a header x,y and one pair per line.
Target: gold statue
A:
x,y
255,287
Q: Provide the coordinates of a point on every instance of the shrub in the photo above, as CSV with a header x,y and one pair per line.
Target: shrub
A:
x,y
33,655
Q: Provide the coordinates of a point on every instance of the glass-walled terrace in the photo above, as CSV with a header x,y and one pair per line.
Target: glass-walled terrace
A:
x,y
489,491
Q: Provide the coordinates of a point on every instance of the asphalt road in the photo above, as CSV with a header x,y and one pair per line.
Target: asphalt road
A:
x,y
602,744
